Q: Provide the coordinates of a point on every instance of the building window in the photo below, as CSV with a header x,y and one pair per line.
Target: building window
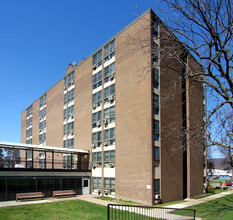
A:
x,y
156,130
155,29
71,112
108,93
155,78
97,80
71,128
157,185
97,98
70,79
97,157
109,136
97,59
65,99
156,156
71,96
41,126
109,72
109,113
29,111
64,143
65,83
65,114
42,100
71,143
64,130
155,104
44,138
109,51
97,138
97,116
97,182
155,52
109,157
41,140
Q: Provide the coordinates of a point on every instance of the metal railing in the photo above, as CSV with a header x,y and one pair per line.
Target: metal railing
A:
x,y
128,212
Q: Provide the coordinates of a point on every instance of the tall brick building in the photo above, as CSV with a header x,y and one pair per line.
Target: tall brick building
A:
x,y
129,105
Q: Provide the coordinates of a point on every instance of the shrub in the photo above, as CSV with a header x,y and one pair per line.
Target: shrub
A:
x,y
210,189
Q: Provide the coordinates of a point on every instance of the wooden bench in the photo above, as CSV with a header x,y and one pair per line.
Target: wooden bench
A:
x,y
31,195
64,193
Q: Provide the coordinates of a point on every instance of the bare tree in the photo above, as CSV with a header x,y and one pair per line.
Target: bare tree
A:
x,y
205,28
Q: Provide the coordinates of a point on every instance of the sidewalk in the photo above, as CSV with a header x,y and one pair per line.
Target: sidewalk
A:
x,y
191,202
92,199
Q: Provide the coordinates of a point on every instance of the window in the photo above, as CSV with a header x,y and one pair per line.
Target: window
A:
x,y
108,91
97,157
65,99
64,143
109,72
44,123
109,135
70,143
109,113
157,185
156,153
97,80
71,112
41,114
44,138
65,82
155,52
109,183
41,126
97,138
156,130
97,181
109,156
109,51
65,114
155,78
71,128
44,111
41,140
97,59
155,28
42,100
97,98
71,96
64,130
29,111
71,79
155,104
97,116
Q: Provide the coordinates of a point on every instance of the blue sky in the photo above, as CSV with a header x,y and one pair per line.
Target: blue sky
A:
x,y
39,38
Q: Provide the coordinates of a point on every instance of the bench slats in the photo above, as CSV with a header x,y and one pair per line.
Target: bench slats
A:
x,y
29,195
63,193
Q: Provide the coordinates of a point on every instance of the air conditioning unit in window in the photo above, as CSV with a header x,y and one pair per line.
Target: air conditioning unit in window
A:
x,y
72,82
40,130
112,76
65,87
93,146
111,98
72,133
94,105
112,165
72,116
106,121
94,67
105,192
93,166
98,123
105,143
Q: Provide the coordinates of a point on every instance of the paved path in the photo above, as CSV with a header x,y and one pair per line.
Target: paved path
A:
x,y
191,202
93,199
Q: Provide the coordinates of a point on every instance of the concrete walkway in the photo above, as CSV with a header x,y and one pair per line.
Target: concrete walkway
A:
x,y
191,202
93,199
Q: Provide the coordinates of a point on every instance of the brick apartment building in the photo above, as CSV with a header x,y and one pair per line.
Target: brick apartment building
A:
x,y
129,106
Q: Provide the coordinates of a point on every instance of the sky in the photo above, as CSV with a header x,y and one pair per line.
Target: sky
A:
x,y
39,38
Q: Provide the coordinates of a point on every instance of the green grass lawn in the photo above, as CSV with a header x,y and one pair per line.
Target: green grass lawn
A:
x,y
218,209
216,191
74,209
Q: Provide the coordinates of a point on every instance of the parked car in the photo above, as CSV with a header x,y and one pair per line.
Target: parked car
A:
x,y
228,183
